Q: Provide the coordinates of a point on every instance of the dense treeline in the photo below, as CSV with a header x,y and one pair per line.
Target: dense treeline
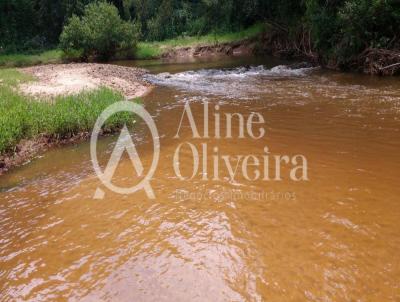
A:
x,y
337,28
27,24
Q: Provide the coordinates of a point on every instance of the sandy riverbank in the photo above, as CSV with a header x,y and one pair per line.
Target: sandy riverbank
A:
x,y
66,79
51,81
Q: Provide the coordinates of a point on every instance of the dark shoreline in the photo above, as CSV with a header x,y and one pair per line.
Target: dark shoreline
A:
x,y
29,149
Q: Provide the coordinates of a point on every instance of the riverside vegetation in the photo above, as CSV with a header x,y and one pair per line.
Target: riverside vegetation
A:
x,y
344,34
22,117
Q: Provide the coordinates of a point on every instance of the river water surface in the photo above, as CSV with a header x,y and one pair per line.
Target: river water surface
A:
x,y
334,237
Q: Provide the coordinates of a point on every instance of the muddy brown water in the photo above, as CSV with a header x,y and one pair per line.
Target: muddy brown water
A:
x,y
334,237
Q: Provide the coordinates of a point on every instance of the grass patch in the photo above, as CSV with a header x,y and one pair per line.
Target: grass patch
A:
x,y
146,50
19,60
22,117
12,77
150,50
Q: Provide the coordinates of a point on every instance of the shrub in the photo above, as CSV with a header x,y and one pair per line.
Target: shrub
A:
x,y
341,30
366,23
99,33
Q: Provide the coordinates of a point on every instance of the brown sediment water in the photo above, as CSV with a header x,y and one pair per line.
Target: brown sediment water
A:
x,y
334,237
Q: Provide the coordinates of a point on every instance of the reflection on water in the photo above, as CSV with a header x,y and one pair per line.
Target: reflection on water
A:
x,y
334,239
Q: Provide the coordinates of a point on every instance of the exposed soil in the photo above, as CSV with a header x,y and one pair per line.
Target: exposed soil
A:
x,y
278,43
65,79
28,149
231,49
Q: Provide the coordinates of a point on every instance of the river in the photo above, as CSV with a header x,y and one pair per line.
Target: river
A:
x,y
331,237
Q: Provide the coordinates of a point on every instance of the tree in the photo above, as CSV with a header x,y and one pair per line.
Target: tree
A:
x,y
99,33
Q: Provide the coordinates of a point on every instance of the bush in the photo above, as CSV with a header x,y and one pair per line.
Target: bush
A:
x,y
341,30
366,23
99,33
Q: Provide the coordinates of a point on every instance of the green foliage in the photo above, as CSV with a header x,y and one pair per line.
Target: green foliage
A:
x,y
150,50
342,29
34,25
368,24
166,19
22,117
18,28
100,32
18,60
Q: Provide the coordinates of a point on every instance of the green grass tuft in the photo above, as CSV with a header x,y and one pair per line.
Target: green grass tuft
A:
x,y
19,60
146,50
12,77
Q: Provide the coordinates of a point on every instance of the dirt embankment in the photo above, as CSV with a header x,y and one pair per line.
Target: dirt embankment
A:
x,y
278,43
66,79
373,61
27,149
239,48
271,43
